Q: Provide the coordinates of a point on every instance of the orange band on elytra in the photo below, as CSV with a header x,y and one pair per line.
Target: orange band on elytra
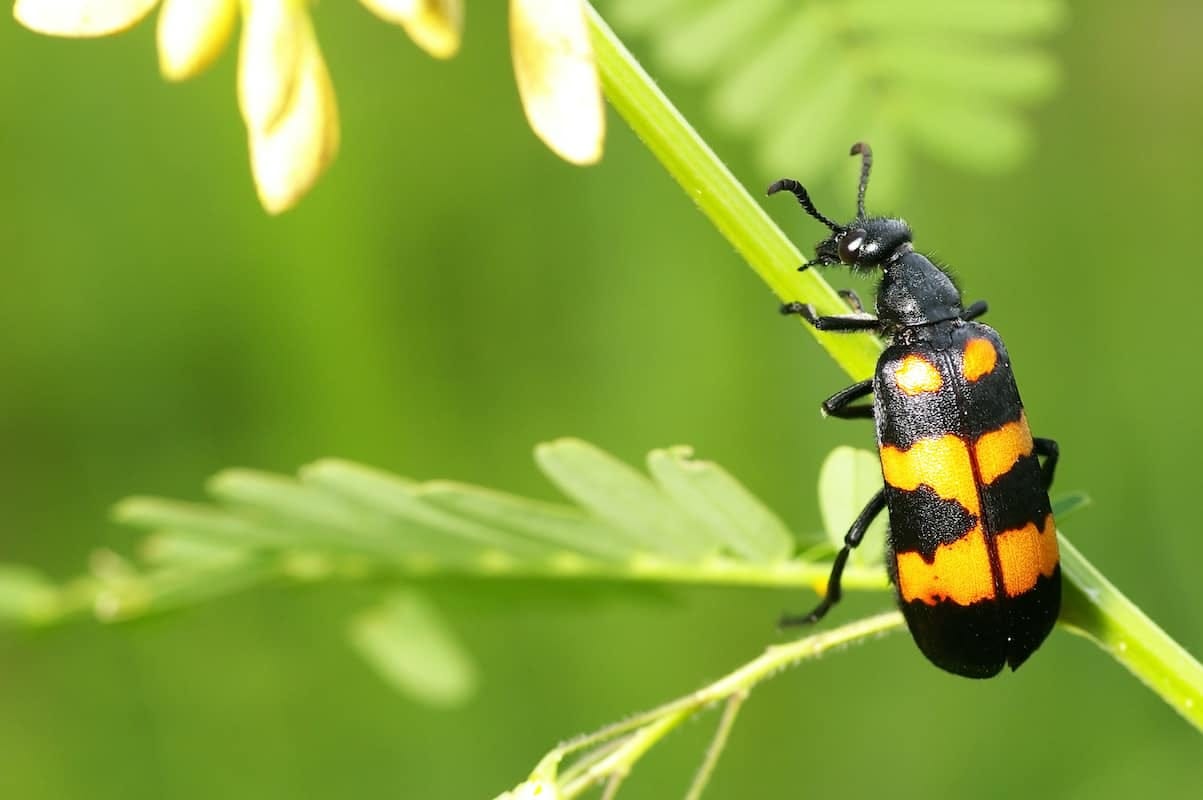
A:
x,y
941,463
960,572
1027,553
998,450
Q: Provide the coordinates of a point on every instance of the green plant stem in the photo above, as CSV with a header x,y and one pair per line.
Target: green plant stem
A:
x,y
720,196
616,765
717,745
1093,607
164,590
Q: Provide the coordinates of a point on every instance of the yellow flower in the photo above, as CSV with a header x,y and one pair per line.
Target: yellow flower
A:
x,y
287,100
435,25
285,92
553,62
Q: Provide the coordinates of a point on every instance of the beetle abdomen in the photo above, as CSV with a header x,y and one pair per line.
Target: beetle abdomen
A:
x,y
973,549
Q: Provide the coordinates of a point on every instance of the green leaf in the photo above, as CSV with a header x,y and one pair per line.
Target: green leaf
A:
x,y
202,521
1066,504
976,73
988,18
713,35
640,13
402,514
283,500
563,528
848,479
726,511
967,132
745,94
805,80
178,548
824,119
692,523
410,646
308,517
619,495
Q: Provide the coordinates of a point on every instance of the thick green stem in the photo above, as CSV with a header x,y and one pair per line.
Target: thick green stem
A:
x,y
1094,608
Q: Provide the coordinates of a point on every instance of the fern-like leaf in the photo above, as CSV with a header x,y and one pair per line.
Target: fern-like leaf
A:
x,y
685,521
802,79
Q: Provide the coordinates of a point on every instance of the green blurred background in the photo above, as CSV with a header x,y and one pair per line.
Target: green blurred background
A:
x,y
451,294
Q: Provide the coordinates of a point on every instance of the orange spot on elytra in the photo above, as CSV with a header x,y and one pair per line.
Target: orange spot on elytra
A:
x,y
916,375
960,572
1027,553
997,451
941,463
980,358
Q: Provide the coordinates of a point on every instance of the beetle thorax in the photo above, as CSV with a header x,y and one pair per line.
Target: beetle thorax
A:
x,y
914,291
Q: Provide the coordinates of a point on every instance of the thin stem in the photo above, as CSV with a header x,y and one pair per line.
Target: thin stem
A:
x,y
721,734
612,787
585,762
619,762
643,730
154,592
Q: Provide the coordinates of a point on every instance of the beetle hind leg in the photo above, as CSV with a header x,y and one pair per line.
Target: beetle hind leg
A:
x,y
851,539
1051,452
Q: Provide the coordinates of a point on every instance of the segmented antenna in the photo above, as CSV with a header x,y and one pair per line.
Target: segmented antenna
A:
x,y
791,185
866,163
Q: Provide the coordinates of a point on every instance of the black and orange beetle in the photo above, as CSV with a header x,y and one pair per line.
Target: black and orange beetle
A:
x,y
972,547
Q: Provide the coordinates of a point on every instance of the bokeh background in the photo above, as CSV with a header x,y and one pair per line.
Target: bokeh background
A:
x,y
451,294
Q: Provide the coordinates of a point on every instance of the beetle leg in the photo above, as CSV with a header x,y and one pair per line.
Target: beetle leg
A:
x,y
841,323
840,403
851,540
1049,449
852,299
975,310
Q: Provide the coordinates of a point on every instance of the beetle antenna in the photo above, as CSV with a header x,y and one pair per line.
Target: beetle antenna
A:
x,y
865,152
799,191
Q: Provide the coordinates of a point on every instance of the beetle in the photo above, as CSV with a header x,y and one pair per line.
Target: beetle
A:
x,y
972,545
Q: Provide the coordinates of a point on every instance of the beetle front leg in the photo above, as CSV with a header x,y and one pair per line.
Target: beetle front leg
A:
x,y
835,324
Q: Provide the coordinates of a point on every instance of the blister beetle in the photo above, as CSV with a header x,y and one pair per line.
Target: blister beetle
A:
x,y
972,546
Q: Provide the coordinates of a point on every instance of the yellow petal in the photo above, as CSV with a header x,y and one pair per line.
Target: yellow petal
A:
x,y
557,77
290,155
192,34
81,17
269,60
435,25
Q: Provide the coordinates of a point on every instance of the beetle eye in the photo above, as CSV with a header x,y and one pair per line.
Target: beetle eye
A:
x,y
849,247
